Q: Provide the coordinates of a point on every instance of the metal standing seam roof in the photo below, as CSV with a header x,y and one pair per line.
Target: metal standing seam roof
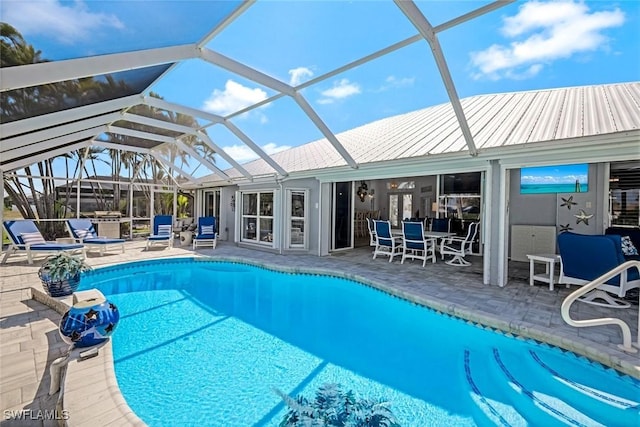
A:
x,y
496,120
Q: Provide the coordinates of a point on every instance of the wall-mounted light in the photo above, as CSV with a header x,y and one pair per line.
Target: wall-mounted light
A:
x,y
362,190
233,203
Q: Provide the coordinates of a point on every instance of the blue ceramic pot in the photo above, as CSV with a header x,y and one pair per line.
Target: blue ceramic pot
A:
x,y
89,322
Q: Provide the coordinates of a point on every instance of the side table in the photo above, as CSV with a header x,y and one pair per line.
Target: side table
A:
x,y
65,240
549,275
185,238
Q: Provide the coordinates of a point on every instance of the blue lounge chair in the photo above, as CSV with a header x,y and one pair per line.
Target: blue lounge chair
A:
x,y
25,237
207,232
162,231
414,243
82,231
386,243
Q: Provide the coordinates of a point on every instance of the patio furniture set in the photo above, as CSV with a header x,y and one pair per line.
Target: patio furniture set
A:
x,y
25,237
415,242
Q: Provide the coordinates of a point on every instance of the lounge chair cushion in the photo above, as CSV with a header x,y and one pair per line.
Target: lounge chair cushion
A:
x,y
164,229
34,238
206,229
628,248
83,234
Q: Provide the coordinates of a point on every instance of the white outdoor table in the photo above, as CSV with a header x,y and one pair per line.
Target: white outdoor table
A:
x,y
549,261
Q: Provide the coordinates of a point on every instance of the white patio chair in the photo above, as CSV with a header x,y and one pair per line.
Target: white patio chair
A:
x,y
459,247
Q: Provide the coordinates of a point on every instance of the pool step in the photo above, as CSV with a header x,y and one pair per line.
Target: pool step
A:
x,y
539,407
510,389
490,404
583,389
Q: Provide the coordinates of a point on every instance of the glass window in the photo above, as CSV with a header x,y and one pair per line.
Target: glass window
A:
x,y
297,218
257,225
400,207
212,203
249,204
624,194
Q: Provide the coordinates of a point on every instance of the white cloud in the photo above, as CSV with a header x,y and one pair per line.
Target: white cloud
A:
x,y
299,75
543,32
234,97
340,90
243,154
66,23
553,179
393,82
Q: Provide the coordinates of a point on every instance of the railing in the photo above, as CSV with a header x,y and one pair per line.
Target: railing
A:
x,y
626,345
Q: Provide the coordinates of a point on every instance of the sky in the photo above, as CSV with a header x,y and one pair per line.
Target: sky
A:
x,y
527,45
563,174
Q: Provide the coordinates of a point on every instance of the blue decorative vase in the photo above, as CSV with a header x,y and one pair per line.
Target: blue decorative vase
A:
x,y
89,322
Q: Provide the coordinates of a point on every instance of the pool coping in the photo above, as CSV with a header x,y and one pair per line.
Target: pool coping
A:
x,y
91,393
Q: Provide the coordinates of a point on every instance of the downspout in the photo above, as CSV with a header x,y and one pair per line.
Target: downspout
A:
x,y
282,226
319,218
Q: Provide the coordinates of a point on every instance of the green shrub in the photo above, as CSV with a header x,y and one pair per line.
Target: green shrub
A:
x,y
334,408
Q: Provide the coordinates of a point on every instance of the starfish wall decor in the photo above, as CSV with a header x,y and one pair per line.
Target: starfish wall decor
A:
x,y
566,227
583,217
568,202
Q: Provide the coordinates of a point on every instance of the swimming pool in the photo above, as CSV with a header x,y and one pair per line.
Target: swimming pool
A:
x,y
208,342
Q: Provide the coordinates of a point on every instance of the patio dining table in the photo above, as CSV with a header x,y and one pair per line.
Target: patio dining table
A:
x,y
427,234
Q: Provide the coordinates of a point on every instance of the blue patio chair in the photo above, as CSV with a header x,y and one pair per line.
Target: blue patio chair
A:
x,y
82,231
207,232
25,237
441,224
162,231
386,243
415,245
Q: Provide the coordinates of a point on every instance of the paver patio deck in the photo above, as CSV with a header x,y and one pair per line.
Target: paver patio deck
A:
x,y
29,339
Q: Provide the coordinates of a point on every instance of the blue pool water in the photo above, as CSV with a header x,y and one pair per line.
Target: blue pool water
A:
x,y
207,343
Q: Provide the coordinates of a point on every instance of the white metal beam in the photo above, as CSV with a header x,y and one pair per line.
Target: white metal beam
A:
x,y
225,22
140,134
121,147
206,163
164,166
46,134
162,124
160,158
152,101
472,15
245,71
66,116
24,162
56,71
205,138
20,151
325,130
419,21
256,149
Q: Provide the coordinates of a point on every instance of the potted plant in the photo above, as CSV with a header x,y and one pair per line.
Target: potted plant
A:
x,y
60,274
